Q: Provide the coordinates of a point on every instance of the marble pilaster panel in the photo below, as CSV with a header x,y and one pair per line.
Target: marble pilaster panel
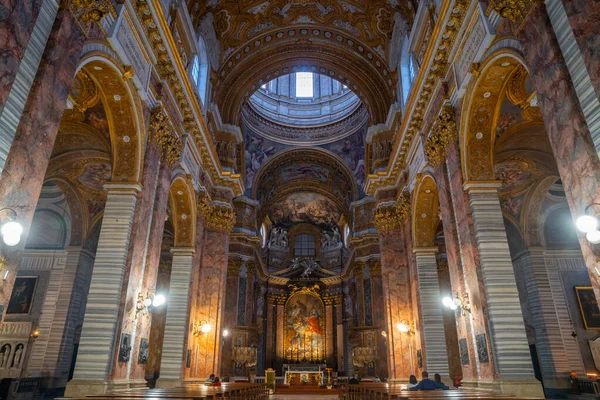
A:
x,y
250,294
550,349
23,174
432,332
329,339
269,348
280,337
359,301
98,341
146,259
396,291
230,313
339,340
176,326
463,261
379,317
136,263
572,143
211,302
583,18
507,331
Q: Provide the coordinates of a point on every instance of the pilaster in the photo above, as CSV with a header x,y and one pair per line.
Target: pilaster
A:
x,y
176,326
98,342
432,319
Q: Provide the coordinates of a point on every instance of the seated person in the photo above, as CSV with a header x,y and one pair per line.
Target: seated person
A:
x,y
438,379
353,380
412,381
211,378
428,384
216,382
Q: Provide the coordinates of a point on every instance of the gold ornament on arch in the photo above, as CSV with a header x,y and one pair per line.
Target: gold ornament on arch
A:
x,y
443,133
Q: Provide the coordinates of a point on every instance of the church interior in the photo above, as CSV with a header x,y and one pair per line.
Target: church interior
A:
x,y
296,196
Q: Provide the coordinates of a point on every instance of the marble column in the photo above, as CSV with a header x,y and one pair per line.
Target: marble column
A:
x,y
25,167
176,326
550,349
279,337
339,340
329,339
98,336
396,292
378,316
575,148
230,313
70,306
210,307
270,341
250,294
583,21
508,340
144,259
463,262
432,319
359,301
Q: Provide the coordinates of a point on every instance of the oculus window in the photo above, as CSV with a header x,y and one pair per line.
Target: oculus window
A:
x,y
304,84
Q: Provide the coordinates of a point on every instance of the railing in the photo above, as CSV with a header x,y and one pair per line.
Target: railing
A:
x,y
279,380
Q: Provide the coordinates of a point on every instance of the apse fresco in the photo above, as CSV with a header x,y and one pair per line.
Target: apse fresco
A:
x,y
259,150
305,207
95,175
305,171
304,327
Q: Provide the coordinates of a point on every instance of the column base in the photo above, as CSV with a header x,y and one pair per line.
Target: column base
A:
x,y
526,388
168,383
82,387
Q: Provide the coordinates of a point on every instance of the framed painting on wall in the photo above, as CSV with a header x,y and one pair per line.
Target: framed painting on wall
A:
x,y
588,305
22,294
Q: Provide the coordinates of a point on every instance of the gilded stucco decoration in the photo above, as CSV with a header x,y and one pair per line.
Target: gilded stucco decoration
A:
x,y
173,72
125,133
480,113
83,95
221,218
163,135
265,39
436,58
516,11
425,212
234,266
88,11
182,200
391,217
375,267
442,134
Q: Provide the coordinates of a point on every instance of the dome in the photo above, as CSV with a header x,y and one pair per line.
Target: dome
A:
x,y
304,108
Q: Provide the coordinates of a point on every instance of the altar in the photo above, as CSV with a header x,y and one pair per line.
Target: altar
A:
x,y
309,374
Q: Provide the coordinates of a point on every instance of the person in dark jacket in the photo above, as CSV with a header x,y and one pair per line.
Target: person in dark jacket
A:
x,y
428,384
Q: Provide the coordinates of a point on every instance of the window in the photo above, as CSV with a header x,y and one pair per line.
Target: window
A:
x,y
304,84
304,246
196,70
200,70
412,70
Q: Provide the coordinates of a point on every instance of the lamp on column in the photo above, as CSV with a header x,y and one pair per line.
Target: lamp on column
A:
x,y
457,303
405,326
202,327
11,230
588,224
149,303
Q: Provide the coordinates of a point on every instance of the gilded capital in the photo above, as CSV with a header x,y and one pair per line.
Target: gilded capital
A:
x,y
234,266
375,267
91,10
163,135
358,269
516,11
443,133
220,219
250,267
390,217
204,204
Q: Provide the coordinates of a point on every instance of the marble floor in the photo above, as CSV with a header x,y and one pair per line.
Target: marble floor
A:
x,y
302,396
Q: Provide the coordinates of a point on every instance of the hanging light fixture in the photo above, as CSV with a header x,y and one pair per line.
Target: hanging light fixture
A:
x,y
11,230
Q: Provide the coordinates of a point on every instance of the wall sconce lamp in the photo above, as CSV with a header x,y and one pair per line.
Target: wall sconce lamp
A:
x,y
11,230
457,303
149,303
384,334
202,327
35,334
588,224
405,327
225,333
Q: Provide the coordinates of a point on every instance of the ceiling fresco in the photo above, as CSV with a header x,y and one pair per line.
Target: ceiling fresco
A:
x,y
305,207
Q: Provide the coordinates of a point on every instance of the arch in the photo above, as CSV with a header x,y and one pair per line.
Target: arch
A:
x,y
124,114
531,220
377,91
183,199
481,108
425,212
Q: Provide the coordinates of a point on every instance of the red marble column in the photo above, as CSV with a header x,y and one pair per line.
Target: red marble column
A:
x,y
213,275
23,174
339,340
230,313
250,273
144,259
378,316
463,260
396,292
16,24
193,341
360,293
584,17
329,339
570,138
269,350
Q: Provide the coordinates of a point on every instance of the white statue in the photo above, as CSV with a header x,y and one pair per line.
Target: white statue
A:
x,y
274,236
17,358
